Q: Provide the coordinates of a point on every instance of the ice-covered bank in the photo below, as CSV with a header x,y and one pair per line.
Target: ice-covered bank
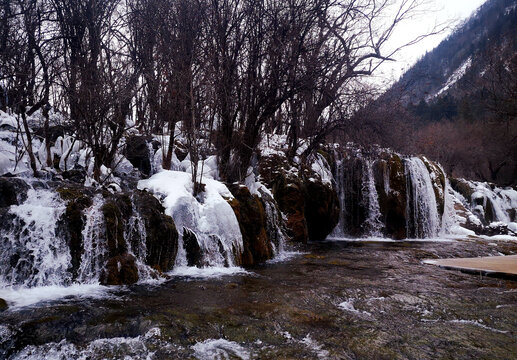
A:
x,y
209,217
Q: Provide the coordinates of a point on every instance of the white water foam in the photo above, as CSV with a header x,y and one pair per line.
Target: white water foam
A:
x,y
119,348
41,257
209,272
219,349
373,224
22,296
422,211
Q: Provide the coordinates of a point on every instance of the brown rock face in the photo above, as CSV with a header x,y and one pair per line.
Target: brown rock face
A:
x,y
120,270
290,196
252,221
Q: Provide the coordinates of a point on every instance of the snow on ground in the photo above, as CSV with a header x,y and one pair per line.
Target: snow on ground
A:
x,y
455,76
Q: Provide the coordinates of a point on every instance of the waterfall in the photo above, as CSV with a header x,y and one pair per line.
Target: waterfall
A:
x,y
422,220
136,237
339,180
373,224
95,252
274,230
31,252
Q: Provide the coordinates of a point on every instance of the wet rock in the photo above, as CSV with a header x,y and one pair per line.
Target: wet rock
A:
x,y
462,187
193,251
71,226
3,305
13,191
275,223
75,175
120,270
251,216
162,236
321,209
290,197
116,211
137,152
392,195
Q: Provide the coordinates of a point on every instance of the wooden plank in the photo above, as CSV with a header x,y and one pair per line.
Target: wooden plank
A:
x,y
493,264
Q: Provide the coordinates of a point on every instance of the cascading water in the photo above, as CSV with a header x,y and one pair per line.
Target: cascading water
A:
x,y
31,252
338,231
95,251
373,224
136,235
422,219
273,219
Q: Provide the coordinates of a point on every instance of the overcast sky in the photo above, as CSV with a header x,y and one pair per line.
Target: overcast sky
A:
x,y
440,11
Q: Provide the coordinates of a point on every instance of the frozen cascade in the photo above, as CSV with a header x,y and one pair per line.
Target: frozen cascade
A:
x,y
209,216
422,213
95,251
373,224
31,252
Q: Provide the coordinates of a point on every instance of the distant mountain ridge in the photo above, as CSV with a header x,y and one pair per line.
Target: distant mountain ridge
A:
x,y
453,67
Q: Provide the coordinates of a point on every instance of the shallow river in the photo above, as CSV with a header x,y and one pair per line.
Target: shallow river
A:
x,y
334,300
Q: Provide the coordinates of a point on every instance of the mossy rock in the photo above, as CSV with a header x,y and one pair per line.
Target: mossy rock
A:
x,y
162,236
252,220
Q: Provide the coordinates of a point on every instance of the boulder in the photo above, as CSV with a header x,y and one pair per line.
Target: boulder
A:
x,y
137,152
251,216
